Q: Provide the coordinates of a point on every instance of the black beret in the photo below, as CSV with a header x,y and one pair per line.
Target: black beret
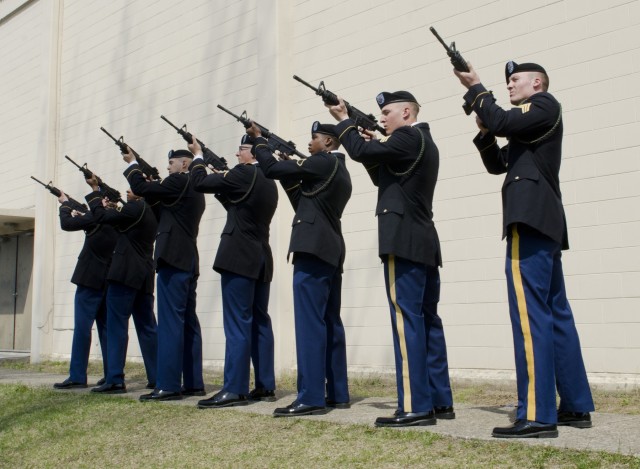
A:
x,y
511,67
327,129
247,140
385,98
180,154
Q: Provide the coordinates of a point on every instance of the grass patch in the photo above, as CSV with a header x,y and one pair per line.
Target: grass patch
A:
x,y
370,385
43,428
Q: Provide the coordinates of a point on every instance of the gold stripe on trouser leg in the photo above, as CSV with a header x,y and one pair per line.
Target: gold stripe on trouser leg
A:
x,y
524,322
406,384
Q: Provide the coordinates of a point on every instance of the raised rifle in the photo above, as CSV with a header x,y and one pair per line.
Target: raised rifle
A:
x,y
112,194
210,158
57,192
365,121
456,60
146,168
275,143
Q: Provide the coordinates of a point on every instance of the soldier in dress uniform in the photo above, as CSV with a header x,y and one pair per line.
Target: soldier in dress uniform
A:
x,y
404,167
90,278
546,343
131,283
245,264
319,188
180,209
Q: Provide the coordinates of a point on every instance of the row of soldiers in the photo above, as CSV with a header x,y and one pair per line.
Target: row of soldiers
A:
x,y
403,165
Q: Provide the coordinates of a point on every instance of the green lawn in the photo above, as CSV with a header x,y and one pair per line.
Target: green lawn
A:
x,y
43,428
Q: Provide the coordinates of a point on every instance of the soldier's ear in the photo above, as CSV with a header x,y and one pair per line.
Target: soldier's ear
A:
x,y
537,81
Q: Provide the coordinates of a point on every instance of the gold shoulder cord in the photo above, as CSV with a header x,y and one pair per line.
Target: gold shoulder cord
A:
x,y
253,183
181,193
548,133
415,163
144,208
326,184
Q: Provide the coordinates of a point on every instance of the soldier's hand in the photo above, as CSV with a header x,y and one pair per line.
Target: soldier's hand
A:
x,y
63,197
282,156
339,111
128,157
131,197
480,124
468,79
92,182
254,130
368,135
194,147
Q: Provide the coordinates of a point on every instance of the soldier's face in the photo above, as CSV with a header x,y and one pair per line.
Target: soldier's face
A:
x,y
176,165
521,86
244,154
316,144
393,116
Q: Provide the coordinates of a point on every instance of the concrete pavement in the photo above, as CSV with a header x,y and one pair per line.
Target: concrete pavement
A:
x,y
615,433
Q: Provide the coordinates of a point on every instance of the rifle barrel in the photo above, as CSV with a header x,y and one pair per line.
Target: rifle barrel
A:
x,y
73,162
297,78
435,33
38,181
107,132
169,122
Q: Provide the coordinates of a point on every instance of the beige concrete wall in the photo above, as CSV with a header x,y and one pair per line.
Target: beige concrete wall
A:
x,y
123,63
21,36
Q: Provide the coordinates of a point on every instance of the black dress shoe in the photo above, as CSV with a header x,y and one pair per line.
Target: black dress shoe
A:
x,y
407,419
297,408
223,399
111,388
262,394
194,392
526,429
574,419
150,385
444,413
337,405
161,395
101,381
68,384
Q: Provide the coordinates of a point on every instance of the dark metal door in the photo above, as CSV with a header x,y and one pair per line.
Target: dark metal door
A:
x,y
16,262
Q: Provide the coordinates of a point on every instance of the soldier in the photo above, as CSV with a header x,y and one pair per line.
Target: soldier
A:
x,y
546,343
131,283
245,264
89,277
404,167
180,209
318,187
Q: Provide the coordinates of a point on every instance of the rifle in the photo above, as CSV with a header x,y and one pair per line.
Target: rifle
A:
x,y
366,121
275,143
111,193
57,192
146,168
210,158
456,60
